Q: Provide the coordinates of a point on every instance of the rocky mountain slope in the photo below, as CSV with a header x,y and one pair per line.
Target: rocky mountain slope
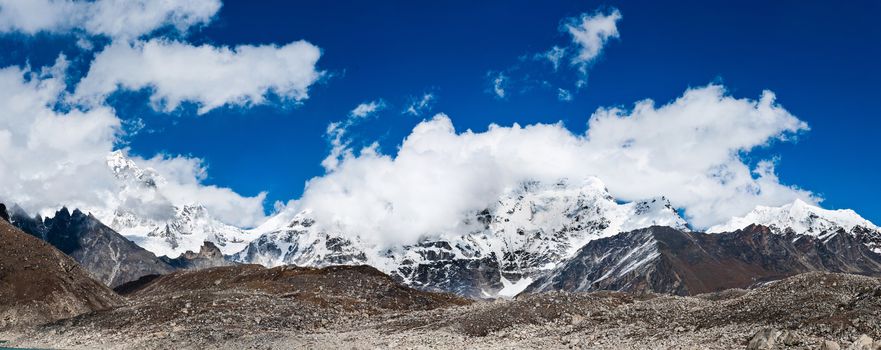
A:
x,y
39,283
665,260
108,256
329,312
530,229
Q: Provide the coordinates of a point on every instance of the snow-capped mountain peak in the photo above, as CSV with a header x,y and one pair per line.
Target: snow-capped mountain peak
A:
x,y
800,217
192,226
145,216
130,173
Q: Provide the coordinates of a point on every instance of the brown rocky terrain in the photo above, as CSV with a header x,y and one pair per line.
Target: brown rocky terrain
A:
x,y
38,283
252,307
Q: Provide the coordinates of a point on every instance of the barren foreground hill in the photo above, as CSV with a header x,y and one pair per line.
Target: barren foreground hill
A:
x,y
38,283
250,307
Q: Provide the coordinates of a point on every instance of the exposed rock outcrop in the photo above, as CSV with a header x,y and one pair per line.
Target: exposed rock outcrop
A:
x,y
208,256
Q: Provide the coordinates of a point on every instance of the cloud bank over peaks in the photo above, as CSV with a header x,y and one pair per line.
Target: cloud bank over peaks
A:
x,y
48,157
52,157
116,19
206,75
689,150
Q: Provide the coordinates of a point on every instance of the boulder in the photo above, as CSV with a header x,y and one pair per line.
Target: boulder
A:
x,y
864,342
764,339
829,345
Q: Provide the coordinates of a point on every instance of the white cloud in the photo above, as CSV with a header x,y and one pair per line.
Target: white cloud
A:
x,y
554,56
47,157
185,176
564,95
499,82
421,105
689,150
117,19
367,108
336,133
50,158
590,32
209,76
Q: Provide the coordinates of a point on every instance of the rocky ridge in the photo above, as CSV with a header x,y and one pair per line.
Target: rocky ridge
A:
x,y
108,256
665,260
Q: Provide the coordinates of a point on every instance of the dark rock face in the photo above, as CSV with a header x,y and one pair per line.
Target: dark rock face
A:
x,y
208,256
107,255
30,225
3,213
440,270
39,284
666,260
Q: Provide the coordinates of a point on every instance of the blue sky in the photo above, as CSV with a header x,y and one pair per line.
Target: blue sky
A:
x,y
820,58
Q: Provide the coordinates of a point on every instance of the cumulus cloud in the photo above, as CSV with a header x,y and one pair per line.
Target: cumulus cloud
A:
x,y
116,19
690,150
47,157
420,105
50,157
209,76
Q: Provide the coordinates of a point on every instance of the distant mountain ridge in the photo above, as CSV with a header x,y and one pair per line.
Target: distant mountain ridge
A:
x,y
665,260
527,234
535,230
802,218
530,229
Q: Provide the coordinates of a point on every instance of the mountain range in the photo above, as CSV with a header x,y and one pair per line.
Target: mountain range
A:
x,y
570,235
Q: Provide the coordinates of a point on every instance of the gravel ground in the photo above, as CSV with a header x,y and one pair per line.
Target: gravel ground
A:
x,y
801,312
